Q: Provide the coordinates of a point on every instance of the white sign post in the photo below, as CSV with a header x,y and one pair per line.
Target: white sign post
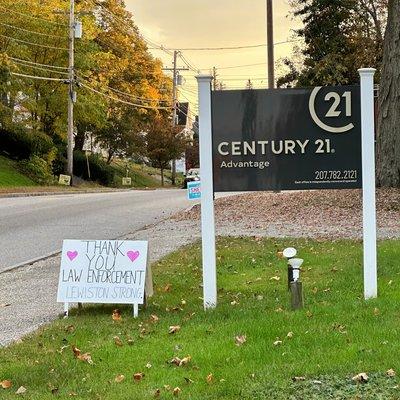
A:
x,y
104,271
368,181
207,195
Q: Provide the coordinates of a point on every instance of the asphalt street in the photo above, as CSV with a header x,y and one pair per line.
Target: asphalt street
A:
x,y
32,227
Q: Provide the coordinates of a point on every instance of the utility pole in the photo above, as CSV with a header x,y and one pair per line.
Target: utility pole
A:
x,y
270,45
175,72
71,95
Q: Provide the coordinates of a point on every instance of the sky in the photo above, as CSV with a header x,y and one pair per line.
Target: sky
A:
x,y
184,24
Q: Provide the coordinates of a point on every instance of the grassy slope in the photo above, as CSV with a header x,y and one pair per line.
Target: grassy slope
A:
x,y
10,176
140,177
336,336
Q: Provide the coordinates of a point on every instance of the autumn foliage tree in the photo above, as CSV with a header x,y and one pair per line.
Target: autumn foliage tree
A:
x,y
164,144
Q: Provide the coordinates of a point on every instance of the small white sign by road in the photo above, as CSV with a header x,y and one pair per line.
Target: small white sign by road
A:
x,y
104,271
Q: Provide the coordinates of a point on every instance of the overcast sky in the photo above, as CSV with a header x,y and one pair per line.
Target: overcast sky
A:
x,y
215,23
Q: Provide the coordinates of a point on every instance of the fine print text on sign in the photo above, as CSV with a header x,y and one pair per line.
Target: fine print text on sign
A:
x,y
289,139
103,271
194,190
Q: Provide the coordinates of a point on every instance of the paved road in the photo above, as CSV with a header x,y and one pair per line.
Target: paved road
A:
x,y
31,227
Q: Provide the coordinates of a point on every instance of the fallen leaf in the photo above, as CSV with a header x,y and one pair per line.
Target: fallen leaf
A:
x,y
173,329
138,376
175,360
289,335
188,380
119,378
209,378
148,365
118,341
116,315
157,393
298,378
69,329
391,373
167,288
278,342
176,391
130,342
260,297
309,314
275,278
234,303
279,254
376,311
362,377
154,318
185,360
21,390
239,340
6,384
5,305
86,357
279,309
183,302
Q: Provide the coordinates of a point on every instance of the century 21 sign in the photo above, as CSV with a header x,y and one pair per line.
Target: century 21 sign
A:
x,y
287,139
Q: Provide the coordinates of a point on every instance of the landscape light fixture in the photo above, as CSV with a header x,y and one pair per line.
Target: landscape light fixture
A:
x,y
295,264
289,253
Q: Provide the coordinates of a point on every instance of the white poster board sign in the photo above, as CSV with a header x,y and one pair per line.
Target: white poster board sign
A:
x,y
104,271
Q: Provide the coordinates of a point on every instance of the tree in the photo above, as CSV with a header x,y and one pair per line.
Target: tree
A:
x,y
339,36
164,144
388,141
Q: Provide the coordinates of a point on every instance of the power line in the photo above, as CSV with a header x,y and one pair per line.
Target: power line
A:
x,y
34,44
40,68
44,78
33,32
123,101
188,63
35,63
125,93
9,11
253,46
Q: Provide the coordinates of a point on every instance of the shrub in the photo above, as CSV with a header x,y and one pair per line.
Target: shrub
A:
x,y
100,171
21,143
38,169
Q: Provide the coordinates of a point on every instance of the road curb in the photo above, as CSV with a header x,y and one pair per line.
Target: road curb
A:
x,y
30,262
37,194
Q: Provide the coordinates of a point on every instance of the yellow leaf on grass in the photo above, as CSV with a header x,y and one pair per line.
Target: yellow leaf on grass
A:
x,y
154,318
391,373
119,378
118,341
210,378
21,390
240,339
362,377
173,329
278,342
176,391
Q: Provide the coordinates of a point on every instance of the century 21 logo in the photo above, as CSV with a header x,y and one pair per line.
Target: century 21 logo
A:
x,y
333,111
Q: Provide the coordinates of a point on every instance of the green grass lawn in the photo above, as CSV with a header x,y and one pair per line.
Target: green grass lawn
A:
x,y
335,336
10,176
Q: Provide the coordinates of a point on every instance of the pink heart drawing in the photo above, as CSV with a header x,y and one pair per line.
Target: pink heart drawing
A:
x,y
72,255
133,255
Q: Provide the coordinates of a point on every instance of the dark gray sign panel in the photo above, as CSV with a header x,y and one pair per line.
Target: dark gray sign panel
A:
x,y
287,139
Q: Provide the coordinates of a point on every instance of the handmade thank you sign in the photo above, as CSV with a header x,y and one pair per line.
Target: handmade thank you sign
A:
x,y
104,271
